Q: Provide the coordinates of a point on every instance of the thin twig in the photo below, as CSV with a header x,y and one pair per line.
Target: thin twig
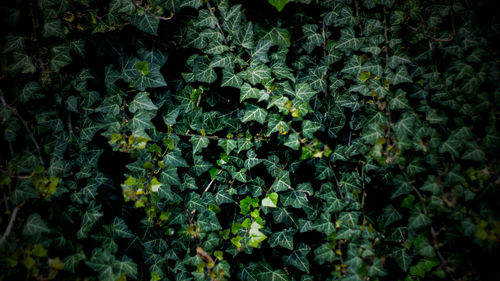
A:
x,y
386,37
32,139
147,10
13,216
212,181
350,130
434,235
27,129
70,127
450,38
208,137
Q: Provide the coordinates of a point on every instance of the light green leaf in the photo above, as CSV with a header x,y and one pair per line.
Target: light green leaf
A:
x,y
278,4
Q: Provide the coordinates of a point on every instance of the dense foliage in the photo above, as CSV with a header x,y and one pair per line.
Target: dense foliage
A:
x,y
249,140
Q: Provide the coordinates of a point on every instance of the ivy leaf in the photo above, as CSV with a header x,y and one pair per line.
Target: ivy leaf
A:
x,y
199,142
256,74
35,226
208,221
298,258
293,141
229,79
264,272
270,201
192,3
72,261
13,42
324,254
282,182
304,92
259,53
283,238
142,102
202,70
244,37
227,145
60,57
278,4
252,160
125,266
248,92
146,22
254,113
348,41
256,236
402,258
174,159
53,28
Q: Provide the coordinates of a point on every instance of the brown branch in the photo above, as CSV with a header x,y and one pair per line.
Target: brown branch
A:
x,y
147,10
13,216
14,111
433,234
386,37
452,35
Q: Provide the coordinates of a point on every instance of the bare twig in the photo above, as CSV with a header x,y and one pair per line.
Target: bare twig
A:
x,y
13,216
148,11
37,146
14,111
450,38
434,235
213,180
386,37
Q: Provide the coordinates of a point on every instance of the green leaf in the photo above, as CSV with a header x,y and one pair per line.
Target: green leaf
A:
x,y
142,67
35,226
53,28
256,74
265,272
304,92
254,113
256,236
247,92
208,221
142,102
260,51
72,261
278,4
283,238
146,22
324,254
199,142
229,79
282,182
298,258
348,41
402,258
293,141
227,145
202,70
12,43
121,229
271,200
192,3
